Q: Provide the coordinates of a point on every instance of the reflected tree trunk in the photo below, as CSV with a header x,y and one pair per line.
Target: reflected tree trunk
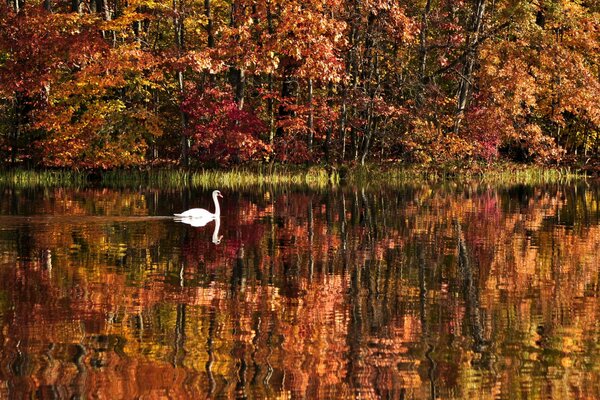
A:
x,y
311,261
212,323
80,383
255,348
424,318
179,346
355,332
470,287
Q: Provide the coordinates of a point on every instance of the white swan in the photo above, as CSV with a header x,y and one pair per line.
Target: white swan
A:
x,y
200,214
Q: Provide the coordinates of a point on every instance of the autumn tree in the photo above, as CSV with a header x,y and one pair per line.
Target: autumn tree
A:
x,y
539,83
104,83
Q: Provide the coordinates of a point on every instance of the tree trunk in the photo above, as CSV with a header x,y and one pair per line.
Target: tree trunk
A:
x,y
288,91
178,24
16,127
185,141
370,72
76,6
310,115
353,71
329,134
101,7
423,41
270,102
343,116
464,89
237,77
371,127
105,10
209,24
15,5
270,110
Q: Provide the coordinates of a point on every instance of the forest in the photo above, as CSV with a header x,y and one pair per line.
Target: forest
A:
x,y
104,84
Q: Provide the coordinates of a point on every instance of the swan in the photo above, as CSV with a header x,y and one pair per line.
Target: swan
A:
x,y
201,213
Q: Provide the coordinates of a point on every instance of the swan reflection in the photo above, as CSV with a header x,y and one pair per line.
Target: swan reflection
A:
x,y
199,223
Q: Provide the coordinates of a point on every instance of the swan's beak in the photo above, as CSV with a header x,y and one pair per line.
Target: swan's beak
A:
x,y
219,195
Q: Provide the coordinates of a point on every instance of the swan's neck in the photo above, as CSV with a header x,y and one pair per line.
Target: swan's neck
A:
x,y
217,208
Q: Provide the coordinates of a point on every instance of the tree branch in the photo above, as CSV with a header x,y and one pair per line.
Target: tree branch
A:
x,y
466,52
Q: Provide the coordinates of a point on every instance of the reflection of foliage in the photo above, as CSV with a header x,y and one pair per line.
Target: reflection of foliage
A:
x,y
342,293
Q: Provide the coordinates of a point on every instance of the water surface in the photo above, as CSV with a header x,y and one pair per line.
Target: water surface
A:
x,y
434,292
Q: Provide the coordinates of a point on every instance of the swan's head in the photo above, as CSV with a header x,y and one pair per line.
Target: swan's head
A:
x,y
217,194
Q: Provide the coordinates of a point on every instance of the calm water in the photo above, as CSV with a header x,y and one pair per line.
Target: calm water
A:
x,y
452,293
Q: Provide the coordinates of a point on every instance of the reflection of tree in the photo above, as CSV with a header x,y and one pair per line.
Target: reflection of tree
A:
x,y
470,284
344,293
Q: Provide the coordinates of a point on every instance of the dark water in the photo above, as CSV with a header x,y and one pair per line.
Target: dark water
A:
x,y
452,293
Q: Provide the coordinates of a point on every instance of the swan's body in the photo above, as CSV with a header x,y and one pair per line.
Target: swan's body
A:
x,y
201,214
196,213
195,222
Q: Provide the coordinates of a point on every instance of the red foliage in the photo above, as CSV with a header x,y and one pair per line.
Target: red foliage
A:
x,y
485,125
40,45
220,131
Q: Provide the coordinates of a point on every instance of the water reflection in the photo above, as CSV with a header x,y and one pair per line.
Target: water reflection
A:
x,y
199,223
416,293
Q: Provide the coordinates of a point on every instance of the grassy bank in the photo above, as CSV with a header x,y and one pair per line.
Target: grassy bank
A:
x,y
493,174
238,177
384,175
44,178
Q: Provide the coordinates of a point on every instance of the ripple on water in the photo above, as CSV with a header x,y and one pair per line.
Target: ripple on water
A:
x,y
413,293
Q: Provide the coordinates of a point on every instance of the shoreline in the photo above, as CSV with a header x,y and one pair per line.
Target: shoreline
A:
x,y
313,176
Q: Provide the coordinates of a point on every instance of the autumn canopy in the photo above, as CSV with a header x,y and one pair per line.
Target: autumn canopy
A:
x,y
117,83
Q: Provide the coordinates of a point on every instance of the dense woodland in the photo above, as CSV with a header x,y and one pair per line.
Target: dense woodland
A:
x,y
118,83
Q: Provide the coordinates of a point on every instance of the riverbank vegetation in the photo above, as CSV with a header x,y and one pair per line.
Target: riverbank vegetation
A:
x,y
315,177
104,84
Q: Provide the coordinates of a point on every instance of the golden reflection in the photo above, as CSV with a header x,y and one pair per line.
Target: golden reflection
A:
x,y
482,292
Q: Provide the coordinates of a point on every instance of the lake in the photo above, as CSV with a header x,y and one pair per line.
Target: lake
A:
x,y
453,291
